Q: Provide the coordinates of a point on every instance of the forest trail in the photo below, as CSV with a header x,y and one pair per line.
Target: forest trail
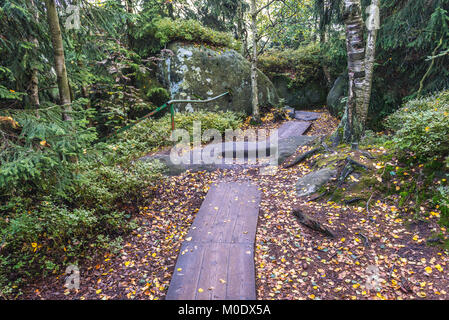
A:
x,y
216,260
290,260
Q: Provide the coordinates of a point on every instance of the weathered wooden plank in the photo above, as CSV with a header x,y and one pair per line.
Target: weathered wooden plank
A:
x,y
307,115
293,129
241,272
228,214
214,271
216,260
187,272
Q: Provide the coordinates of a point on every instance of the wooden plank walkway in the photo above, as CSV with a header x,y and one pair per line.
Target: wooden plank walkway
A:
x,y
216,260
293,129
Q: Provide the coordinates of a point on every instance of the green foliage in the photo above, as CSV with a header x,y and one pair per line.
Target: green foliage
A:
x,y
158,95
422,126
301,65
289,24
159,33
42,236
151,134
334,55
39,158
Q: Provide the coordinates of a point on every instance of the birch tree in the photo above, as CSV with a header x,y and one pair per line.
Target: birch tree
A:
x,y
360,66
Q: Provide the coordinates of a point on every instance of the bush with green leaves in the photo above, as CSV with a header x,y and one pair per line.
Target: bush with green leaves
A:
x,y
421,127
60,196
300,65
151,134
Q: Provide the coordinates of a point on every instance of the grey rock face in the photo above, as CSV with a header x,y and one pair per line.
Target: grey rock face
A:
x,y
338,92
239,151
311,95
307,116
311,182
198,72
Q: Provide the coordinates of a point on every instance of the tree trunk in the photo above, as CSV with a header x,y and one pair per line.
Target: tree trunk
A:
x,y
373,26
255,99
129,24
241,31
33,90
353,126
59,60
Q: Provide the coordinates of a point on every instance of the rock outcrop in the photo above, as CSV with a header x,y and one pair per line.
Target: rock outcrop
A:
x,y
199,72
312,94
339,90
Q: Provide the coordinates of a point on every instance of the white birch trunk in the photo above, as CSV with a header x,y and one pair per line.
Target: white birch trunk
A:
x,y
373,26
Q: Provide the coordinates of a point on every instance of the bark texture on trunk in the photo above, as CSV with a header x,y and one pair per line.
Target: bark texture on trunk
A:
x,y
353,128
373,26
59,59
33,90
255,98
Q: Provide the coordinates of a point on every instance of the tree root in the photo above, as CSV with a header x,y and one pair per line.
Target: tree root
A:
x,y
312,224
351,201
302,157
317,197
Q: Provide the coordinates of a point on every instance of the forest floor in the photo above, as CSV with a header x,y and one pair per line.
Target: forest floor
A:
x,y
292,262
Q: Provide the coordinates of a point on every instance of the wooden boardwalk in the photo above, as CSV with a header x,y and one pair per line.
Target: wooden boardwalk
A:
x,y
216,260
293,129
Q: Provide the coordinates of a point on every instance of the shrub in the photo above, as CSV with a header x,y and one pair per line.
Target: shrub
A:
x,y
421,126
39,236
301,65
151,134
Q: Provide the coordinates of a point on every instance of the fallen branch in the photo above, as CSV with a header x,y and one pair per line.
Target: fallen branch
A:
x,y
312,224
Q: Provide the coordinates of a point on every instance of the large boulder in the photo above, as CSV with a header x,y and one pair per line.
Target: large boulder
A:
x,y
311,94
199,72
339,91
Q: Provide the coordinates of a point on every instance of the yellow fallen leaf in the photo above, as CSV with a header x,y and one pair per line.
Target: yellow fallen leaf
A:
x,y
200,290
421,294
98,291
428,269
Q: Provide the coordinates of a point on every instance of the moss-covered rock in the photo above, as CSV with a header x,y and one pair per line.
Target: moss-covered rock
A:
x,y
311,182
297,75
308,95
201,72
335,101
